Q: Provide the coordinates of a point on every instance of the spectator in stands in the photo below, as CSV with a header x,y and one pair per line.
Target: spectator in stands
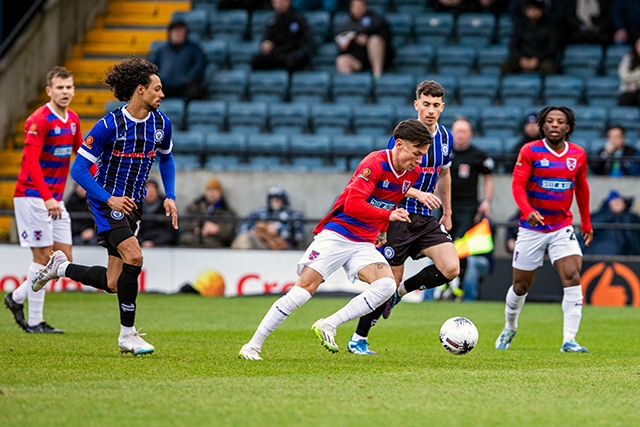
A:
x,y
459,6
530,132
211,223
589,21
249,5
325,5
614,241
83,230
626,20
155,232
288,40
616,158
181,63
364,41
629,73
534,43
275,226
555,10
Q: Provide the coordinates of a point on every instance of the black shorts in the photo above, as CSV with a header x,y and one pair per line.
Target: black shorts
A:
x,y
406,240
121,227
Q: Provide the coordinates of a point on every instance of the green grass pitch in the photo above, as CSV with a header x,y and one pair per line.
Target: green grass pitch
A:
x,y
196,379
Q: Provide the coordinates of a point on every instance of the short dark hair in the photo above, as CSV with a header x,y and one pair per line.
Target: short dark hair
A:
x,y
430,88
125,76
57,71
178,23
414,132
568,113
617,126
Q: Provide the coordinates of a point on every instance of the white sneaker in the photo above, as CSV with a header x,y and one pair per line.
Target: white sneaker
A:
x,y
49,272
134,344
249,353
325,334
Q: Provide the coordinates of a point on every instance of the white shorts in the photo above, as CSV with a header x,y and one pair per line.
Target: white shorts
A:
x,y
329,251
36,228
531,245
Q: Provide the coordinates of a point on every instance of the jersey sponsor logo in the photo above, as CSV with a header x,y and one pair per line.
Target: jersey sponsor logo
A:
x,y
118,153
431,169
62,151
571,163
33,129
88,142
406,185
385,183
544,163
117,215
73,129
365,174
388,252
556,184
57,130
313,255
158,136
382,205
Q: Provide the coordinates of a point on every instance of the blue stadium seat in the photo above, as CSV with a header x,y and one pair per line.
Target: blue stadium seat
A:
x,y
382,141
186,162
489,144
404,112
109,106
433,28
188,142
591,121
584,141
268,145
289,118
521,89
582,59
612,57
379,6
325,57
401,26
320,22
206,115
373,119
602,90
479,90
628,117
230,25
504,28
311,145
248,117
413,58
197,20
310,86
448,82
226,143
501,120
220,163
414,7
317,164
490,58
337,21
217,52
174,108
455,59
268,85
353,145
351,88
331,119
262,163
395,88
241,53
453,112
257,23
228,85
475,29
563,89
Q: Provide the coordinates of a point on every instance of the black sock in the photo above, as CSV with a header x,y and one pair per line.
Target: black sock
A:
x,y
94,276
127,293
367,321
428,278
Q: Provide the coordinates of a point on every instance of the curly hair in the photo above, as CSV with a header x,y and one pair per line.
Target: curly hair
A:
x,y
568,113
125,76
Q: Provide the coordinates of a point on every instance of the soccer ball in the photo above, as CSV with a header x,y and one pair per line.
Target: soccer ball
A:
x,y
458,335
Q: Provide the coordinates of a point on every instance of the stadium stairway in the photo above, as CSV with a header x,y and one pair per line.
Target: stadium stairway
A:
x,y
128,27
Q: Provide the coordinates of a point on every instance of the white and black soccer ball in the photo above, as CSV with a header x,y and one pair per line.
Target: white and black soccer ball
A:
x,y
458,335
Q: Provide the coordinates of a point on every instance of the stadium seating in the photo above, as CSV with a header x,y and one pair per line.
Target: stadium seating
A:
x,y
455,59
404,112
331,119
174,108
352,145
268,145
379,6
317,164
188,142
206,115
501,120
453,112
112,105
220,163
241,53
268,85
562,89
401,25
227,143
489,144
373,119
490,58
448,82
475,29
230,25
582,60
217,52
197,20
310,86
628,117
433,28
311,145
612,57
591,121
351,88
479,90
247,117
187,162
289,118
395,88
227,85
325,57
520,89
602,90
413,58
381,142
414,7
320,22
257,23
504,29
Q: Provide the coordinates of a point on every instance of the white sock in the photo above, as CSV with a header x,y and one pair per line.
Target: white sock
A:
x,y
572,309
512,308
62,269
402,291
124,330
21,293
357,337
378,293
279,311
36,306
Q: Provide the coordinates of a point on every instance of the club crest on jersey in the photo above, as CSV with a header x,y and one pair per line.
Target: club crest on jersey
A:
x,y
158,136
37,234
117,215
445,149
88,142
388,252
73,128
365,174
406,185
571,163
33,129
313,255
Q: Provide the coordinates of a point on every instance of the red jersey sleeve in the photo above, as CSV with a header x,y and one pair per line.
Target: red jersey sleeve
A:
x,y
359,191
521,174
583,195
35,132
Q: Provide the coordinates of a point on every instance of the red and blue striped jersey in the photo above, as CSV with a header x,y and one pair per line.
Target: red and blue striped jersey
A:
x,y
545,181
49,142
363,208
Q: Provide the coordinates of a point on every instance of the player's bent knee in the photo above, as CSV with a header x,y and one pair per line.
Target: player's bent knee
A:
x,y
385,286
